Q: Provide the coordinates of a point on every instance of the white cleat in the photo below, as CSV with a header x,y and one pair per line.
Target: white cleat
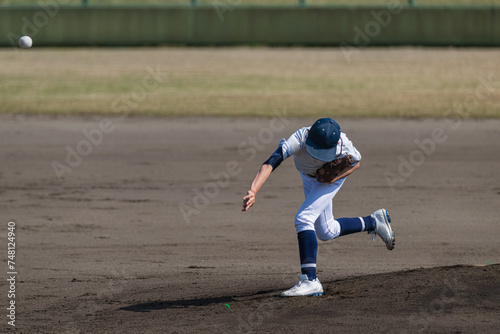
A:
x,y
305,287
383,228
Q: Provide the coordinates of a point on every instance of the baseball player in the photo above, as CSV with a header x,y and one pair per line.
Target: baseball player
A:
x,y
324,157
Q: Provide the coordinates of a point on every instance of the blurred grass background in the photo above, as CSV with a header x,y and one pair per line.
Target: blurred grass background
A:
x,y
245,81
258,2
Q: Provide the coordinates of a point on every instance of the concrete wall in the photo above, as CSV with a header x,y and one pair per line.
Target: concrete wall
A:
x,y
225,25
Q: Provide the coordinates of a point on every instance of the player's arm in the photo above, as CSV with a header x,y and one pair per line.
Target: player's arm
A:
x,y
265,170
258,181
347,171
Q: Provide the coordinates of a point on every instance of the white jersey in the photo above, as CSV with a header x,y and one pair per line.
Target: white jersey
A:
x,y
296,146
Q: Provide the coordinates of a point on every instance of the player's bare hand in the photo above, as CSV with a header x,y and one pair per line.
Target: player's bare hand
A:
x,y
248,200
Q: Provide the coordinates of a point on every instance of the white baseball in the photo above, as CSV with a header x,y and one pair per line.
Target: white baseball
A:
x,y
25,42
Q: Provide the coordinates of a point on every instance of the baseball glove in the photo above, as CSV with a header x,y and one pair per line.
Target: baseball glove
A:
x,y
332,169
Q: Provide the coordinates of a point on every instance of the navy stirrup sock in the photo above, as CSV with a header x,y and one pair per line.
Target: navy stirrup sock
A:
x,y
308,248
358,224
308,244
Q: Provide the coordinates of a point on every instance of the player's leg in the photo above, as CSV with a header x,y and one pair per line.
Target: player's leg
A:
x,y
327,228
318,197
378,223
318,200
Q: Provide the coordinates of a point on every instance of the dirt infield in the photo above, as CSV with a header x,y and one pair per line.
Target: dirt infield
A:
x,y
142,231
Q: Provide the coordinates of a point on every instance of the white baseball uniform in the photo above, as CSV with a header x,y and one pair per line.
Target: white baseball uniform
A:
x,y
316,211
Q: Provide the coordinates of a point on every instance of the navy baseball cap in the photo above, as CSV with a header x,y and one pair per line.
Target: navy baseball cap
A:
x,y
322,140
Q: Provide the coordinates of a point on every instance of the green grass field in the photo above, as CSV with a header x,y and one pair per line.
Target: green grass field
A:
x,y
263,2
379,82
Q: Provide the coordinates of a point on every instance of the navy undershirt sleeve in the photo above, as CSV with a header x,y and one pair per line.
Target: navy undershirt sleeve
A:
x,y
275,159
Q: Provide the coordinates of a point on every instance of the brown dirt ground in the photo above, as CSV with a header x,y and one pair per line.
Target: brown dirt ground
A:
x,y
105,248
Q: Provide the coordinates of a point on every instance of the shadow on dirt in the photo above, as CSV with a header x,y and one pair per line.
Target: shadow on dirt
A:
x,y
182,303
185,303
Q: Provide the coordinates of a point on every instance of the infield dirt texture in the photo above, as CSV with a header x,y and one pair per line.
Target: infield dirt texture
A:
x,y
105,247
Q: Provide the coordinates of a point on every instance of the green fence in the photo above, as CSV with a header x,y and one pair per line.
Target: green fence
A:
x,y
257,2
226,23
